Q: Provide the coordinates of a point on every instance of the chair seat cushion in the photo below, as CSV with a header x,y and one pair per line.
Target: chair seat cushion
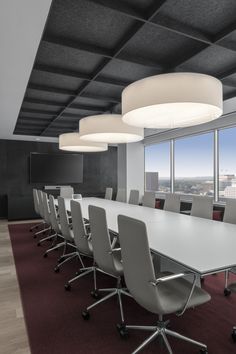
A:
x,y
174,294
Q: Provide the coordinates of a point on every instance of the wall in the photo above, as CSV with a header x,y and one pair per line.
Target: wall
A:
x,y
100,171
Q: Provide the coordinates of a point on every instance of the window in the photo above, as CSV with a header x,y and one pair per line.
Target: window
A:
x,y
157,167
227,163
194,158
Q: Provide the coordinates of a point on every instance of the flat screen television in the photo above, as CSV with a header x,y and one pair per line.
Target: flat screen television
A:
x,y
56,168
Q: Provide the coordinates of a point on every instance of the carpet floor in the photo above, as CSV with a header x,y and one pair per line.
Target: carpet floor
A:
x,y
53,315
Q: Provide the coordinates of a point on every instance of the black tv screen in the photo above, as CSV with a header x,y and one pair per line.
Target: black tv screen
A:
x,y
56,168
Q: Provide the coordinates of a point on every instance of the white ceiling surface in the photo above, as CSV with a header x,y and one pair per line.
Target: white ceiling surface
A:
x,y
21,27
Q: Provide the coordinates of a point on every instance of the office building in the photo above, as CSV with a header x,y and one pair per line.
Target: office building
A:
x,y
117,176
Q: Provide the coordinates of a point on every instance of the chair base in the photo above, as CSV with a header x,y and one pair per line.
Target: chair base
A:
x,y
159,330
118,291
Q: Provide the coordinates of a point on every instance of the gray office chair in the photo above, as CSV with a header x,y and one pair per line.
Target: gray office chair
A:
x,y
172,202
36,209
229,217
66,192
149,199
161,294
47,214
82,240
107,258
67,233
41,210
55,224
121,195
202,207
108,194
134,197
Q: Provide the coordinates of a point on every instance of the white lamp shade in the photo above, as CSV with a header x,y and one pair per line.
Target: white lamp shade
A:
x,y
72,142
172,100
108,128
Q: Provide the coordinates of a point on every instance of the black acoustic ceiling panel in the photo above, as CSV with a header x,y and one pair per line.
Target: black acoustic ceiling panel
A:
x,y
91,49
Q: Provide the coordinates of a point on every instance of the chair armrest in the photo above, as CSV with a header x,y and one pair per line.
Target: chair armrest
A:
x,y
176,276
115,250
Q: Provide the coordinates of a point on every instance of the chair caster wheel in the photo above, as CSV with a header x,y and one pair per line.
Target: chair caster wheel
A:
x,y
227,292
234,335
85,315
56,270
61,259
203,351
34,236
78,273
123,331
45,255
67,287
95,294
38,244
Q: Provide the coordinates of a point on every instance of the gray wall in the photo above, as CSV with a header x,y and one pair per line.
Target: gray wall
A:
x,y
100,171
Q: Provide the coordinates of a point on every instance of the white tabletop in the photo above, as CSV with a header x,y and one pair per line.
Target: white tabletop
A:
x,y
201,245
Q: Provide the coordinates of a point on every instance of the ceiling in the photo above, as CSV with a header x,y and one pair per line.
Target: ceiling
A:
x,y
91,49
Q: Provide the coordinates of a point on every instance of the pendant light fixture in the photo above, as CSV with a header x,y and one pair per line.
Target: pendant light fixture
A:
x,y
172,100
72,142
108,128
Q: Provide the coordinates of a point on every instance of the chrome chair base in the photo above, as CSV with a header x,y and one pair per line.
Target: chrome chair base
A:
x,y
111,292
159,330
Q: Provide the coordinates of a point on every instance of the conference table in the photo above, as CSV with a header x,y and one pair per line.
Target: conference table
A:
x,y
200,245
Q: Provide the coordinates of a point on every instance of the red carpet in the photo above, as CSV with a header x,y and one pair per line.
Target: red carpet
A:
x,y
55,325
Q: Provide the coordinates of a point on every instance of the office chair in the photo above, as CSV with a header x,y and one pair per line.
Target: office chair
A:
x,y
36,208
161,294
134,197
149,199
172,202
107,258
42,214
83,243
232,288
121,195
108,194
55,224
202,207
229,217
66,192
68,235
47,213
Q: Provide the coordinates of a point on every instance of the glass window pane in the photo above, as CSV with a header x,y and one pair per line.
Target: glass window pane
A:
x,y
157,167
227,163
194,165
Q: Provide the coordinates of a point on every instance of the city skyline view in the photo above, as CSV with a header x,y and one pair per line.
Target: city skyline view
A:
x,y
200,150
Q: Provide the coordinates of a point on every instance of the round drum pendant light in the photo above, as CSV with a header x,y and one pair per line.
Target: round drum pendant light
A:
x,y
108,128
72,142
172,100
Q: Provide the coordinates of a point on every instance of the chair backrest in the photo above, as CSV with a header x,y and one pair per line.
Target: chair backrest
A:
x,y
64,221
137,263
46,209
53,214
134,197
41,208
202,207
230,211
172,202
149,199
80,234
36,202
66,192
121,195
108,194
101,241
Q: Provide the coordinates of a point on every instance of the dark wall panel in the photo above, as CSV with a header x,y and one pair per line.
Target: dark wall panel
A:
x,y
100,171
